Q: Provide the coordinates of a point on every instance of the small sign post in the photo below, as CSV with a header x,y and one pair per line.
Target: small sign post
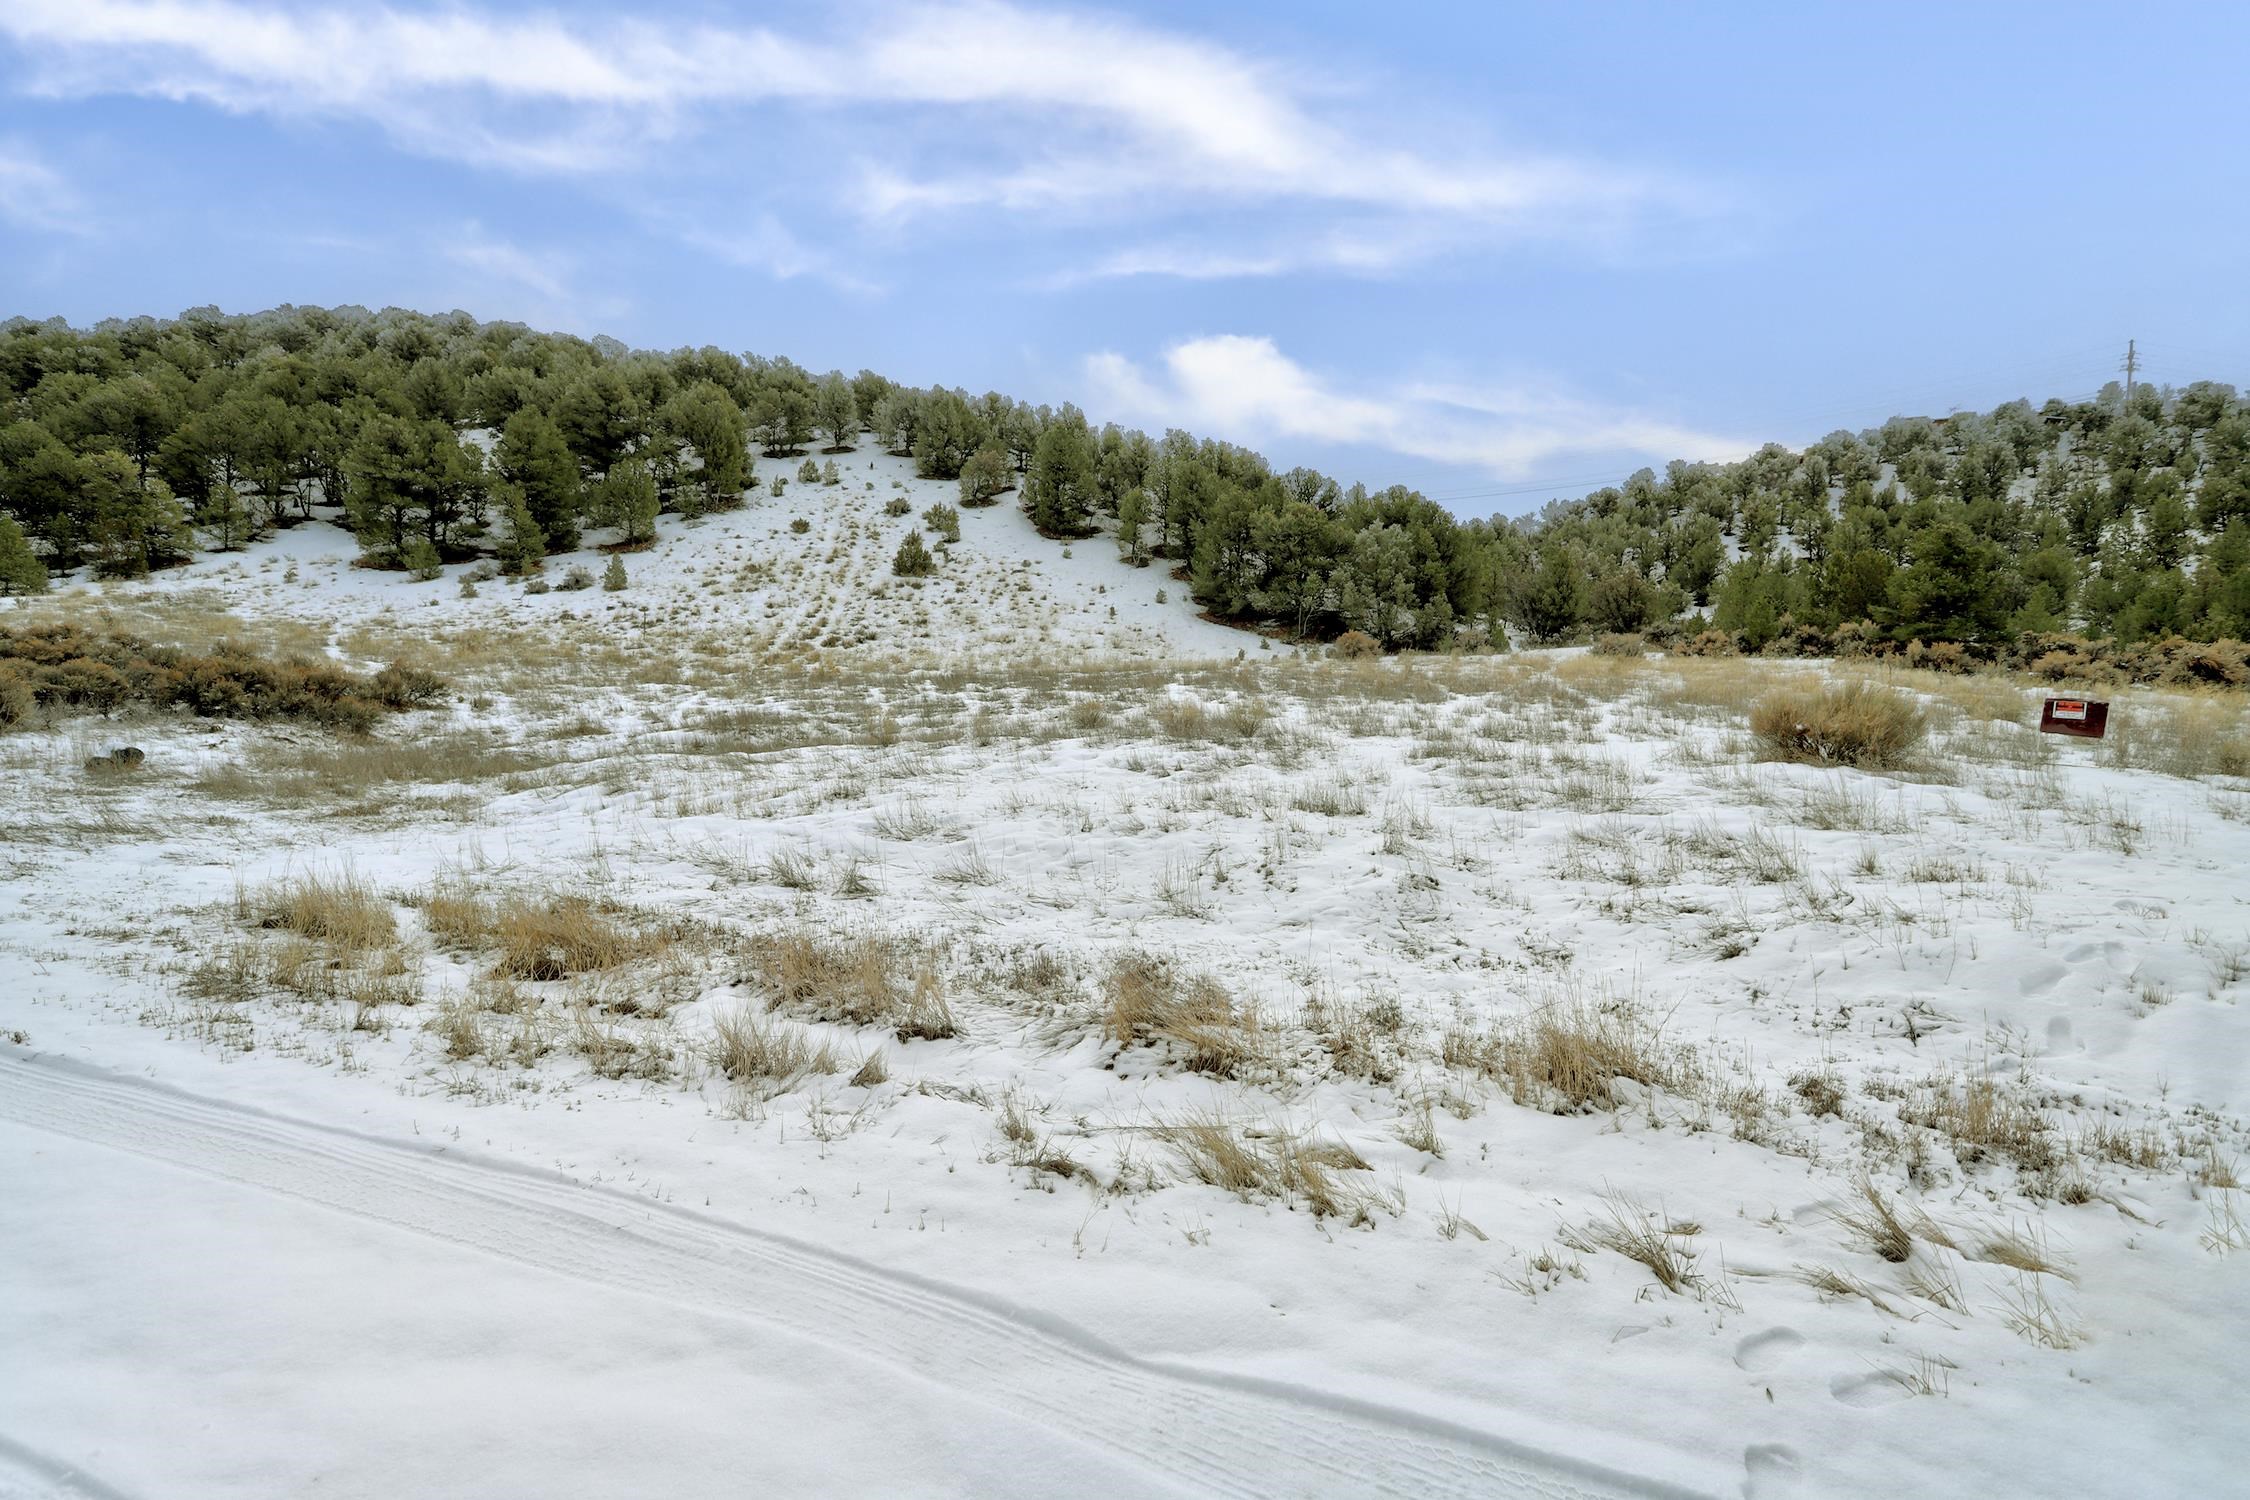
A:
x,y
2087,718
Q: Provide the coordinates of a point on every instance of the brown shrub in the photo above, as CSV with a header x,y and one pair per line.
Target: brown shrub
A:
x,y
1628,645
100,672
1707,643
1146,1001
1356,645
1851,724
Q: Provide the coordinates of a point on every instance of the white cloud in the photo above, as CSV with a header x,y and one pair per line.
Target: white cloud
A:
x,y
1249,390
1080,114
545,274
33,195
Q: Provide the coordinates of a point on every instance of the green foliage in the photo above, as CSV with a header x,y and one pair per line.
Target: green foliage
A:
x,y
1553,599
626,499
1955,587
522,544
913,560
613,576
944,521
1058,490
533,457
2105,515
985,476
21,572
1132,527
705,418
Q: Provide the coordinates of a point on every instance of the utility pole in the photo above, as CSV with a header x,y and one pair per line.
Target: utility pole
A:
x,y
2132,367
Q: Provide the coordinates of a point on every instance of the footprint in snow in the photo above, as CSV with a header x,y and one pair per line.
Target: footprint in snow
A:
x,y
1766,1351
1770,1471
1869,1388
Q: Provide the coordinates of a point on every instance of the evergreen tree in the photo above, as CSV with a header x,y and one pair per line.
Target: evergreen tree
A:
x,y
705,418
21,571
1058,490
133,527
1132,527
836,412
1553,602
913,560
984,476
522,544
1375,585
1297,545
613,576
629,502
1952,588
533,457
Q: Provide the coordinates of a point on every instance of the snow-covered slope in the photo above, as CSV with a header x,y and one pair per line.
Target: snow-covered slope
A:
x,y
289,1215
745,572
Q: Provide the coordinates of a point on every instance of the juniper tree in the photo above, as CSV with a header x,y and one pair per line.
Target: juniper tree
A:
x,y
836,411
913,560
985,476
1058,490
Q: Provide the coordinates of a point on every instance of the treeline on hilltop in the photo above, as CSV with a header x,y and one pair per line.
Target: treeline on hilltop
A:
x,y
132,445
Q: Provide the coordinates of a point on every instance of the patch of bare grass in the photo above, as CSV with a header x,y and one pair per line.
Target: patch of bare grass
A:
x,y
1146,1001
1853,723
1568,1054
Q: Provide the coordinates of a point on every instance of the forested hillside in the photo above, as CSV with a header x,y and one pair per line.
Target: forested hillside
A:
x,y
130,446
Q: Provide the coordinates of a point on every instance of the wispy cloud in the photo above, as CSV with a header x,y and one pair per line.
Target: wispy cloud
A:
x,y
547,274
1248,389
33,195
1081,116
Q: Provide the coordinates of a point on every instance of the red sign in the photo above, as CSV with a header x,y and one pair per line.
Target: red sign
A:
x,y
2087,718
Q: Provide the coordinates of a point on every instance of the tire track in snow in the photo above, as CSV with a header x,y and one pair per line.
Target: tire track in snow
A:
x,y
1216,1434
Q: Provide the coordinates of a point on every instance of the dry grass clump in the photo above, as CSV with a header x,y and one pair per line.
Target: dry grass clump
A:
x,y
341,910
1848,724
1982,1121
542,936
642,1052
1633,1232
1884,1230
1272,1163
751,1049
1188,720
858,981
1146,1001
1568,1054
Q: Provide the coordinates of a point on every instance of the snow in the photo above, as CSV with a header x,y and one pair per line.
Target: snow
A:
x,y
250,1251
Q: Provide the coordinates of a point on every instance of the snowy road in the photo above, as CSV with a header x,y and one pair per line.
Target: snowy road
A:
x,y
414,1320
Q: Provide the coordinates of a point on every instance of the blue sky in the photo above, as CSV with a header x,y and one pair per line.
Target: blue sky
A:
x,y
1499,251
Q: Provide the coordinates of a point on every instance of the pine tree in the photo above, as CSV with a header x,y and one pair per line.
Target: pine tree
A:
x,y
1132,527
912,559
613,576
1058,492
21,572
522,545
533,456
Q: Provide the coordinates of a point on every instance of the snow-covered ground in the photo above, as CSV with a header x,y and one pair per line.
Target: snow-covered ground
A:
x,y
1239,1172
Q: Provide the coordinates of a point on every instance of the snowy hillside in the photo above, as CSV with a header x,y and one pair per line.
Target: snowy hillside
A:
x,y
780,1029
746,573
